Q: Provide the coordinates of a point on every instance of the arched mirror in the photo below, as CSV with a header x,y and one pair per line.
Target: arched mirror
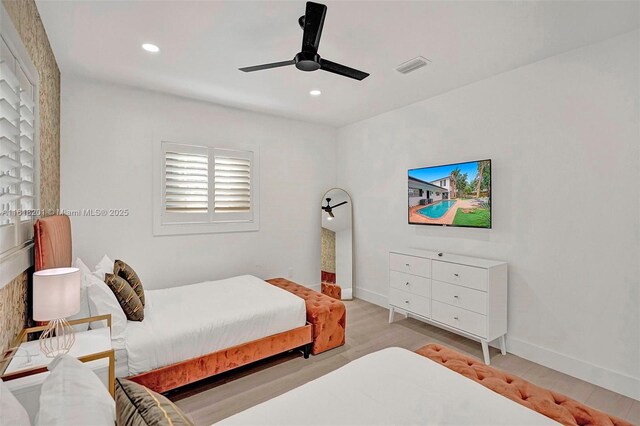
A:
x,y
336,239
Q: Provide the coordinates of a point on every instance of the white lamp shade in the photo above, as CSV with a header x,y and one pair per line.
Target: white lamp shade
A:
x,y
56,293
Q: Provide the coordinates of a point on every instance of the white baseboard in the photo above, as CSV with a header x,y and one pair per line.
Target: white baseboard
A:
x,y
371,297
608,379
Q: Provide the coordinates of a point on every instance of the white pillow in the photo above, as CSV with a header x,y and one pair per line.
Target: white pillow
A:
x,y
11,411
102,301
105,266
84,298
73,395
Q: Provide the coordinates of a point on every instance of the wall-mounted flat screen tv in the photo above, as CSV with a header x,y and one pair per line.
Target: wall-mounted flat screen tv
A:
x,y
451,195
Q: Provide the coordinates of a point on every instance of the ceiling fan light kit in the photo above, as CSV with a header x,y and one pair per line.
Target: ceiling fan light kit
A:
x,y
308,58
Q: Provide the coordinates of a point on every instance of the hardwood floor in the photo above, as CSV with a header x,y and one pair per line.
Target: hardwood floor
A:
x,y
367,331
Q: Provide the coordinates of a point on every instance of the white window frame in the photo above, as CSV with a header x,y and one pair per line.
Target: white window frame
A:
x,y
18,259
165,223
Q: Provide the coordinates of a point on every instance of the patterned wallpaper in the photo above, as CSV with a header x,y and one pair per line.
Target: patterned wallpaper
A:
x,y
25,17
328,250
13,312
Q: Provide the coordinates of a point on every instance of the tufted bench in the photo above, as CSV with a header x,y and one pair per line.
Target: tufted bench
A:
x,y
327,315
554,405
331,290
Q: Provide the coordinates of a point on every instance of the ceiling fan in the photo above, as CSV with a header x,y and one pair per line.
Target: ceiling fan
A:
x,y
308,59
329,208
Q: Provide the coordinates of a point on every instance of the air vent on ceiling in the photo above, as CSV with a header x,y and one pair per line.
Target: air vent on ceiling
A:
x,y
412,65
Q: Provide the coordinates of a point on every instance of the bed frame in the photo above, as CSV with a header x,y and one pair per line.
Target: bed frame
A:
x,y
554,405
53,249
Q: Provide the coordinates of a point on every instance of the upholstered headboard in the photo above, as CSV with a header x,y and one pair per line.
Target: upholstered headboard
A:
x,y
53,242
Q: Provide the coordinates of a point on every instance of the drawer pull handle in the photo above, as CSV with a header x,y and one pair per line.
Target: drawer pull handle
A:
x,y
407,265
407,283
455,318
456,296
406,301
456,275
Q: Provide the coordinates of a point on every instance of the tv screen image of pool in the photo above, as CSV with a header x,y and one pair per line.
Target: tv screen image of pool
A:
x,y
451,195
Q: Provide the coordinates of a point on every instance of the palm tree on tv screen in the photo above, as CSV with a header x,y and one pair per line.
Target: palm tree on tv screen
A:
x,y
479,177
483,179
460,181
453,188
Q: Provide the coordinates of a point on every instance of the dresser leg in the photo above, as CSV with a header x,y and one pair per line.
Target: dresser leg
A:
x,y
503,344
391,312
485,352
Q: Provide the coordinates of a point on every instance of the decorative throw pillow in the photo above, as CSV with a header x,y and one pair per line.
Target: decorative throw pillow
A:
x,y
128,299
138,406
125,271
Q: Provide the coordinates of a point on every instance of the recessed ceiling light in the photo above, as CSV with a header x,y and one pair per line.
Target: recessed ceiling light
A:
x,y
315,92
150,47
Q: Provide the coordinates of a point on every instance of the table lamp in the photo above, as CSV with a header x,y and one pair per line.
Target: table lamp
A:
x,y
56,295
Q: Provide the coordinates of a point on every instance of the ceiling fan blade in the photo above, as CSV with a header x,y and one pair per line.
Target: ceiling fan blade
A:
x,y
339,204
342,70
330,213
267,66
313,23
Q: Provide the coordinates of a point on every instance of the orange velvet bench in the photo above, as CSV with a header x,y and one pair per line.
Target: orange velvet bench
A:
x,y
551,404
327,315
331,290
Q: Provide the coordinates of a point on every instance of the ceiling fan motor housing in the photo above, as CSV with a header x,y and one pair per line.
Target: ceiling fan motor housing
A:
x,y
307,61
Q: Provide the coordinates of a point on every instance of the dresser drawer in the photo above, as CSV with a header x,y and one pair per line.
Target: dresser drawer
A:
x,y
410,264
468,276
463,297
410,283
410,302
459,318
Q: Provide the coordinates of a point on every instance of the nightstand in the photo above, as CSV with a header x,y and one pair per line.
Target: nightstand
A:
x,y
24,367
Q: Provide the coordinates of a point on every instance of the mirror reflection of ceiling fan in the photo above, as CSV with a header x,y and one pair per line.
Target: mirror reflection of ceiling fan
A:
x,y
329,208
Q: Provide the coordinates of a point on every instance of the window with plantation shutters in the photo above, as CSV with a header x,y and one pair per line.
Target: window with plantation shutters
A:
x,y
19,153
206,189
18,96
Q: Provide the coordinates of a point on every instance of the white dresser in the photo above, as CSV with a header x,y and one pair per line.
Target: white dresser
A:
x,y
465,295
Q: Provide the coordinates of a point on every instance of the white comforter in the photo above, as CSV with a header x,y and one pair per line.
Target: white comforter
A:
x,y
185,322
391,387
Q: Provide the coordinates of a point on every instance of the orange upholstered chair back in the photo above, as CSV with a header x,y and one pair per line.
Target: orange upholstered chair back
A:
x,y
53,242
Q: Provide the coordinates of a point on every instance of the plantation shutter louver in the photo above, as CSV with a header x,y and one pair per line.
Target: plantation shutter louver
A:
x,y
17,150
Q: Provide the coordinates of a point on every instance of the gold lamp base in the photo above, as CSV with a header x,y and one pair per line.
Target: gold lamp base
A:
x,y
57,339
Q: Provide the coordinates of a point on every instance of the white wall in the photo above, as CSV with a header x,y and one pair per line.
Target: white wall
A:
x,y
106,162
344,262
563,136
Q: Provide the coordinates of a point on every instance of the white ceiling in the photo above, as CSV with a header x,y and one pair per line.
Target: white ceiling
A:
x,y
203,44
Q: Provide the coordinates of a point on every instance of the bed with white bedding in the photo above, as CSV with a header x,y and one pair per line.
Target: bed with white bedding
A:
x,y
190,332
390,387
187,322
